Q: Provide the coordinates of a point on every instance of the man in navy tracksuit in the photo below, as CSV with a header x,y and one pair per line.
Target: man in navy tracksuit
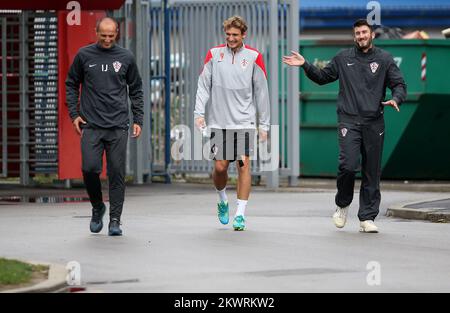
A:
x,y
105,71
364,72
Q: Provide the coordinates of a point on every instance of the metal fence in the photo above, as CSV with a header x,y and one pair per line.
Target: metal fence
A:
x,y
29,76
134,21
170,43
181,35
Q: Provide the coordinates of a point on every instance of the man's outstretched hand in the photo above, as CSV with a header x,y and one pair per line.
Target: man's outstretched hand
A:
x,y
295,59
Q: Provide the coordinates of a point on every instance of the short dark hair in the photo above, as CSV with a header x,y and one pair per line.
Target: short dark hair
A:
x,y
362,22
106,18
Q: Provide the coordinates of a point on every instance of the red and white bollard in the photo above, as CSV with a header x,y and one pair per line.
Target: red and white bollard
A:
x,y
424,66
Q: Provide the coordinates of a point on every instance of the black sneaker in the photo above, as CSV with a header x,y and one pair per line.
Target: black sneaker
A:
x,y
114,227
97,219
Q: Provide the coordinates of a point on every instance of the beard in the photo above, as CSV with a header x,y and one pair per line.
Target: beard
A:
x,y
362,46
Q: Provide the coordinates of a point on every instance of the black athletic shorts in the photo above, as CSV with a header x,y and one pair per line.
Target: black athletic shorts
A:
x,y
232,144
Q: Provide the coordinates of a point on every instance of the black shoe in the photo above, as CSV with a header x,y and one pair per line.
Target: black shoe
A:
x,y
114,227
97,219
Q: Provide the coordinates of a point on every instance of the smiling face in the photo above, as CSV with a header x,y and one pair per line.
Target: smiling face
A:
x,y
107,33
234,37
363,37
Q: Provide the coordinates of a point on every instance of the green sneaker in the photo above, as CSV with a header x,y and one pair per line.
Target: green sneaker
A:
x,y
239,223
222,212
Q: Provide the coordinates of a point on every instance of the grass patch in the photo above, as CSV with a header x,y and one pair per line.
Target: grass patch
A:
x,y
14,272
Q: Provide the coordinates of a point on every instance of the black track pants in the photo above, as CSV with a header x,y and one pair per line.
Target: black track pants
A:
x,y
360,148
114,142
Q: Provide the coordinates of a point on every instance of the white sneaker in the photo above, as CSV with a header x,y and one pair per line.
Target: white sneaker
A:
x,y
368,227
340,217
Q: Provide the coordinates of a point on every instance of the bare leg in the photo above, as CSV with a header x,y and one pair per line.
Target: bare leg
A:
x,y
220,174
244,179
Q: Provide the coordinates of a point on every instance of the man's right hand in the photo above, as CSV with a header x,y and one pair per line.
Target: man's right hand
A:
x,y
262,135
295,59
200,123
76,124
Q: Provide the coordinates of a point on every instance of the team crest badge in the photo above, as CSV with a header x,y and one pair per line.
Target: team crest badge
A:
x,y
373,67
244,63
344,132
117,65
221,56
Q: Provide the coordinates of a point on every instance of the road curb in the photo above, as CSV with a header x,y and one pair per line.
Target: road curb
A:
x,y
55,283
436,215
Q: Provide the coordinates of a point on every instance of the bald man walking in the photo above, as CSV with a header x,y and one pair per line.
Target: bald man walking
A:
x,y
104,70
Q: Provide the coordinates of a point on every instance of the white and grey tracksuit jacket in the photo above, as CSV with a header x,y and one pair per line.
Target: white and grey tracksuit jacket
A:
x,y
236,84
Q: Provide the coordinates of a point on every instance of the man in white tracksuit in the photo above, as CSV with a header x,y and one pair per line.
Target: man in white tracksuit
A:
x,y
234,84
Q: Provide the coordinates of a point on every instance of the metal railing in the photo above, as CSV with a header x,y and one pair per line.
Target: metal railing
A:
x,y
29,99
181,43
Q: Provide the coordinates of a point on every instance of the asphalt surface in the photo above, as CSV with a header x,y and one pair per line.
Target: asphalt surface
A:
x,y
173,242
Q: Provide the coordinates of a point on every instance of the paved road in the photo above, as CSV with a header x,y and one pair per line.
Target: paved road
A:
x,y
173,243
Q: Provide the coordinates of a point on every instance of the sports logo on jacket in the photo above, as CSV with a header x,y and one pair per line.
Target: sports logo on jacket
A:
x,y
344,132
373,67
117,65
244,63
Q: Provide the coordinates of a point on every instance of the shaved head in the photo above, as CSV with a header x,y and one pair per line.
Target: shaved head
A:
x,y
107,22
